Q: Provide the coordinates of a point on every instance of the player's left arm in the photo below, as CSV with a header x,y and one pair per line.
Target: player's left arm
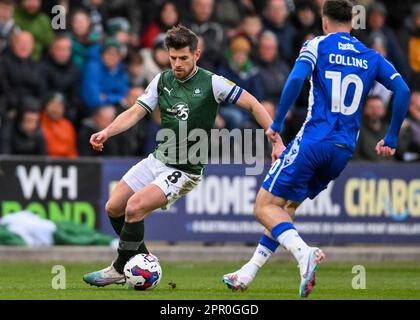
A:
x,y
392,80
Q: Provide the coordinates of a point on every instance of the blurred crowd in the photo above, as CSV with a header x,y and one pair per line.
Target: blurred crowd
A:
x,y
64,78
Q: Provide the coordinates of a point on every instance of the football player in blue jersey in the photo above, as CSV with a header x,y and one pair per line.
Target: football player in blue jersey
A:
x,y
341,71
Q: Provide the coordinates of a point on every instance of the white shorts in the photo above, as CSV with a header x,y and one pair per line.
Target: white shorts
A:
x,y
173,182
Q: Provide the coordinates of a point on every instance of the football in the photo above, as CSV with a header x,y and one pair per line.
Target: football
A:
x,y
143,272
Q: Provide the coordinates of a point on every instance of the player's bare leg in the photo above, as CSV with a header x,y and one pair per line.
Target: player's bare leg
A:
x,y
272,212
139,205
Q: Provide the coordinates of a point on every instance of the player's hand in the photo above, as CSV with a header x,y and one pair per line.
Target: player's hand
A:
x,y
98,139
383,150
272,136
278,149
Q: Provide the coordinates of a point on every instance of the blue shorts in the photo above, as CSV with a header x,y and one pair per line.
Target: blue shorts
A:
x,y
305,168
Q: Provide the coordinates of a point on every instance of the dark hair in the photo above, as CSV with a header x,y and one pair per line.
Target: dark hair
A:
x,y
338,10
179,37
8,2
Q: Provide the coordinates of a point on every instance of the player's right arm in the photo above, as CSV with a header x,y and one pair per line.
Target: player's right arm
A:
x,y
392,80
144,104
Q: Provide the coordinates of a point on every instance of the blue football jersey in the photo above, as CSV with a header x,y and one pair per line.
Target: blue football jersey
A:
x,y
344,70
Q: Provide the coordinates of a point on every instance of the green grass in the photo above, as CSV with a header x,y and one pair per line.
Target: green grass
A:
x,y
202,281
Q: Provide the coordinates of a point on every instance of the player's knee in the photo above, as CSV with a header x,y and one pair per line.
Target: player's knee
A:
x,y
113,210
135,211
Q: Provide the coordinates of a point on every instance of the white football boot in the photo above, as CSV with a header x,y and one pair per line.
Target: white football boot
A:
x,y
308,267
237,281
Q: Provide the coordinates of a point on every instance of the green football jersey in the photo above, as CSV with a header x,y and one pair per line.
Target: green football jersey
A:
x,y
188,110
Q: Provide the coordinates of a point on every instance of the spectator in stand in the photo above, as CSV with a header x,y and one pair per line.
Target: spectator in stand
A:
x,y
414,41
409,141
372,130
102,117
22,74
96,12
7,23
59,133
376,18
135,137
105,81
273,71
305,21
28,16
119,29
130,10
23,136
378,43
240,70
212,32
275,19
155,60
85,41
59,74
135,67
168,17
251,27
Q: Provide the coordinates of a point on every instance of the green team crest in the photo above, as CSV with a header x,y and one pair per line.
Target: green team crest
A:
x,y
197,92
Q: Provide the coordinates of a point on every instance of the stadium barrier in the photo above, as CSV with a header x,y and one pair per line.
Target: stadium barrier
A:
x,y
369,203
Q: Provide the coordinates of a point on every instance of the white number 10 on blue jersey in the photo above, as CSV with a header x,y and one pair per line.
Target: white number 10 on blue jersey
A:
x,y
339,90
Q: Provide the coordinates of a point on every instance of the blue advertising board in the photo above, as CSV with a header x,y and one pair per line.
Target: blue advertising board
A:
x,y
368,203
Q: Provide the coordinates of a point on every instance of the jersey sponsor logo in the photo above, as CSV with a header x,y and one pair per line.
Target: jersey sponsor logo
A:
x,y
197,92
180,111
168,91
347,46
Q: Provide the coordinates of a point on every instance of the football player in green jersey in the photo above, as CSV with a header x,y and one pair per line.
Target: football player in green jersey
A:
x,y
188,98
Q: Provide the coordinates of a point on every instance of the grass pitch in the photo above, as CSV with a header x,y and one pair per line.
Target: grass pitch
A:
x,y
202,281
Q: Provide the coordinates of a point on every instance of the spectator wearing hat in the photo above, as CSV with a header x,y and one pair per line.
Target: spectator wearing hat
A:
x,y
59,74
59,133
7,23
21,73
119,29
168,16
85,41
105,81
23,136
28,16
240,70
155,60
